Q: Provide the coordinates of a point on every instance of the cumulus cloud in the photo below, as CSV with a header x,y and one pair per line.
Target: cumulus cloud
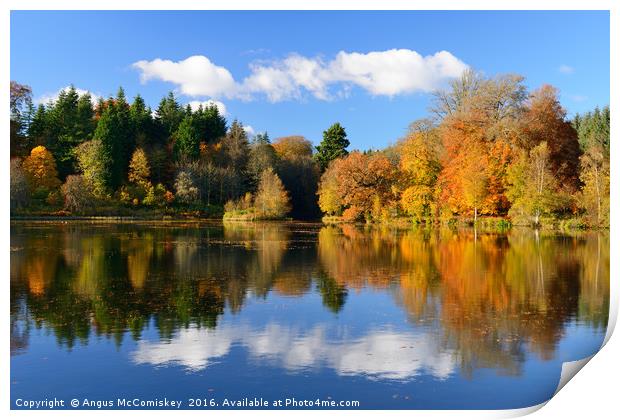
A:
x,y
195,76
53,96
284,79
566,69
396,72
380,73
220,105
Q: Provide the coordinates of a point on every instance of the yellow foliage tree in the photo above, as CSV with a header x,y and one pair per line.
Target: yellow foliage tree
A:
x,y
272,200
40,168
330,200
139,170
417,201
595,176
420,167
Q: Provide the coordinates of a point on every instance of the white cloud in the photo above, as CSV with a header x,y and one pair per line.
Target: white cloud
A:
x,y
566,69
249,130
284,79
387,73
220,105
396,72
52,97
195,76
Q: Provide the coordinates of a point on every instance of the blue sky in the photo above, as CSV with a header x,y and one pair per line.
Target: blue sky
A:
x,y
298,72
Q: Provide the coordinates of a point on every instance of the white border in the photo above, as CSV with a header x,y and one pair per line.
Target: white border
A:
x,y
593,394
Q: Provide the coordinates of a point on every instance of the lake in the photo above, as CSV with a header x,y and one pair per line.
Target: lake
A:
x,y
428,319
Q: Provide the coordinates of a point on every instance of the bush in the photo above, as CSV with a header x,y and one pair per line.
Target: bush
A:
x,y
76,194
157,196
53,198
186,191
504,224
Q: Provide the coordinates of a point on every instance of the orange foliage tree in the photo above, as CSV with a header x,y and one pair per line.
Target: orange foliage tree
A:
x,y
40,167
545,121
360,181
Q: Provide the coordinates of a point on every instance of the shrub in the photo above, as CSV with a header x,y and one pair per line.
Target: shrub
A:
x,y
186,191
156,196
77,195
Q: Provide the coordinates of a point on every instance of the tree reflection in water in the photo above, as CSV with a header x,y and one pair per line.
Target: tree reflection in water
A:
x,y
484,299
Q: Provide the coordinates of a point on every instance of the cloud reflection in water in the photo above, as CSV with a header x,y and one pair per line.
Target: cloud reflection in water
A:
x,y
379,354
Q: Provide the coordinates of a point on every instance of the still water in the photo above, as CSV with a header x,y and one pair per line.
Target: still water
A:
x,y
390,318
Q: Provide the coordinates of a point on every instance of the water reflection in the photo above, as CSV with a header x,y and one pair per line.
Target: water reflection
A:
x,y
378,354
470,301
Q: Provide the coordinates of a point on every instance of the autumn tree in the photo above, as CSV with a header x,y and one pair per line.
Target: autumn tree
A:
x,y
19,188
293,147
479,120
494,100
330,200
299,173
40,169
333,146
95,164
474,180
545,121
595,176
76,193
186,190
272,200
462,138
139,170
419,169
362,179
532,185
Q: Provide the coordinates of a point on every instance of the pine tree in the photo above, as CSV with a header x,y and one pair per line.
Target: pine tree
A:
x,y
114,132
186,142
333,146
235,148
169,115
262,155
142,122
215,124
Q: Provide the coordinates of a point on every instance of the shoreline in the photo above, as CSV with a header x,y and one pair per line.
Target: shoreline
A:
x,y
483,224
